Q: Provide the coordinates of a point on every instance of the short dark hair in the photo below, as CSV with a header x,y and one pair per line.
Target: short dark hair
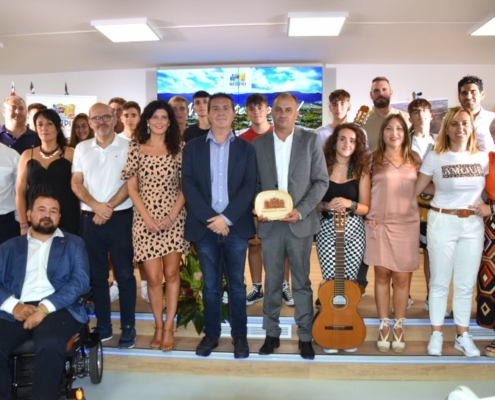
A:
x,y
118,100
131,104
418,103
46,195
469,79
339,95
221,95
201,94
53,116
380,78
37,106
172,138
286,94
256,99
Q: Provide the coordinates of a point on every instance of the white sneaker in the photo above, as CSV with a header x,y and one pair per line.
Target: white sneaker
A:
x,y
114,291
410,302
435,344
225,298
465,344
144,291
335,351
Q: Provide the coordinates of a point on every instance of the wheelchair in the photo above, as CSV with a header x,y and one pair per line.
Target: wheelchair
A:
x,y
84,356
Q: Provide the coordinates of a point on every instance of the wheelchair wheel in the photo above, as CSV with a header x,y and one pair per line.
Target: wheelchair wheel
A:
x,y
96,363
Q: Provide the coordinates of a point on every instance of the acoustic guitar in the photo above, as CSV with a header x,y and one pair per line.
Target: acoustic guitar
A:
x,y
362,115
338,324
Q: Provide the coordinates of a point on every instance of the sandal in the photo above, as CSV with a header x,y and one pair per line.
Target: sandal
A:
x,y
168,346
398,345
155,344
491,352
383,343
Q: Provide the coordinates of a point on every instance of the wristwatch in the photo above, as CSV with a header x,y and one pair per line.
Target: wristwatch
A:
x,y
353,206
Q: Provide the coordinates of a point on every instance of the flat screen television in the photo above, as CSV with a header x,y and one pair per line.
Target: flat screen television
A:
x,y
305,82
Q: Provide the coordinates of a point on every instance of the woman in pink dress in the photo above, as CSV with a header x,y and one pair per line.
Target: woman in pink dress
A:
x,y
392,226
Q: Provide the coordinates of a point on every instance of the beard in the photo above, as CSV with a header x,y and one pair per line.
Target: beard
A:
x,y
47,228
381,102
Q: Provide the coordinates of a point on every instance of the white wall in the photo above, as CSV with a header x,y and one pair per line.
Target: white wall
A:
x,y
434,81
132,84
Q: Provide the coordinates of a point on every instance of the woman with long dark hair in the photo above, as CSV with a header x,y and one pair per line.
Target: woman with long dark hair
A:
x,y
392,226
153,174
348,191
47,169
80,130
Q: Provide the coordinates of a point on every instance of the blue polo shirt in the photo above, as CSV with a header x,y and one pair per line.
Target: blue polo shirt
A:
x,y
27,140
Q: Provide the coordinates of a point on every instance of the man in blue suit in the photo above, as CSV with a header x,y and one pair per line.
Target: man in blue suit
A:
x,y
42,275
219,181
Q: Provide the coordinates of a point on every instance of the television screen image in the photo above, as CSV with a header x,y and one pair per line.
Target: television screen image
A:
x,y
305,82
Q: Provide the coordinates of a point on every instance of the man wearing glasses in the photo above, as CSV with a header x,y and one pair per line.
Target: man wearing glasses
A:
x,y
200,107
106,220
180,106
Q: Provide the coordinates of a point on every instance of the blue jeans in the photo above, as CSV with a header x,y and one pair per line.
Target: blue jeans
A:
x,y
213,251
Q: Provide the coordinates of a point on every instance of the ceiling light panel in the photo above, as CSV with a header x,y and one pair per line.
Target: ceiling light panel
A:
x,y
126,30
316,24
486,29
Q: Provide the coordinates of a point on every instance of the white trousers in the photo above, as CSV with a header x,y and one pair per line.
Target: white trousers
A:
x,y
455,246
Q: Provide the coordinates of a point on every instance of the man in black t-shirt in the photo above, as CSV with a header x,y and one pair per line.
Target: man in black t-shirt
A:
x,y
200,107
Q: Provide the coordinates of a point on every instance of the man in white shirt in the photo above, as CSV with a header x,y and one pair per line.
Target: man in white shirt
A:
x,y
9,227
339,106
131,114
471,94
106,220
42,275
289,159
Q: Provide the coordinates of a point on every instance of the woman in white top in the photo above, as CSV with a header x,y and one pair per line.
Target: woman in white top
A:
x,y
455,225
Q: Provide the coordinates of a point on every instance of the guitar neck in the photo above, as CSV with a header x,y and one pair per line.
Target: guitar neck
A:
x,y
339,264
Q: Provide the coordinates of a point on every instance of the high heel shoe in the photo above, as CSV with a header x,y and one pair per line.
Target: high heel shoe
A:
x,y
155,344
168,346
383,343
398,345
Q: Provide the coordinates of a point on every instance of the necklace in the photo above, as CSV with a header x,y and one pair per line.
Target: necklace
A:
x,y
341,165
348,169
48,155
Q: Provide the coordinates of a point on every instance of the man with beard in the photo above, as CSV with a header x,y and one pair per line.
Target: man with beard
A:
x,y
42,275
380,94
15,133
106,220
471,93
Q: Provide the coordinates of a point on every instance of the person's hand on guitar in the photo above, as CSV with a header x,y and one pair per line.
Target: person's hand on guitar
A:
x,y
339,204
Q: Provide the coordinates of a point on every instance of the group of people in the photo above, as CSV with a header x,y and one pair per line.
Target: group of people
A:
x,y
141,186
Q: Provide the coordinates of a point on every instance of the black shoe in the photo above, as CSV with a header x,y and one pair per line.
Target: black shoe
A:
x,y
207,344
318,304
127,338
271,343
241,347
255,295
307,351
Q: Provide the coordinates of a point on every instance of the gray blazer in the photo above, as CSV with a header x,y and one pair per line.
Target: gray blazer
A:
x,y
307,183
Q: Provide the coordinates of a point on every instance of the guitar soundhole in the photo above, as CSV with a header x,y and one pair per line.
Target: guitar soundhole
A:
x,y
339,302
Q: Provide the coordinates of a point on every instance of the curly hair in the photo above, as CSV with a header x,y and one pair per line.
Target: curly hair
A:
x,y
172,136
407,153
360,157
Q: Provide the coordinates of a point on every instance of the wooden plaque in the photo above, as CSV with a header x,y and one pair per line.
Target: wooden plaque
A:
x,y
273,204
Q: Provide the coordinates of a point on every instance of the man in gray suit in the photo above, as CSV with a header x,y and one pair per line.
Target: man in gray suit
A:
x,y
292,160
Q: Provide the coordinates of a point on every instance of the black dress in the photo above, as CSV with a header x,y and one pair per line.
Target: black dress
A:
x,y
55,180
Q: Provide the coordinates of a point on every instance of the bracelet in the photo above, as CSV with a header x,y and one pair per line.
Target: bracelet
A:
x,y
42,311
24,226
323,206
170,218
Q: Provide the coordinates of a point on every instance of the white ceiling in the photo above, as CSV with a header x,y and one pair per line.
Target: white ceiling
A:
x,y
52,36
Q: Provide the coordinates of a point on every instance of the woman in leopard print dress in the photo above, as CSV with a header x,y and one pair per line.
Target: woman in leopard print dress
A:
x,y
153,174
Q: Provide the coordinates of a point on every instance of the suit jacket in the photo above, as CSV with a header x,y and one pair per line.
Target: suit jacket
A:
x,y
307,181
196,185
67,270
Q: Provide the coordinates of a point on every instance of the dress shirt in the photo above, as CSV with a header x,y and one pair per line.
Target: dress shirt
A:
x,y
282,160
8,172
482,125
101,169
219,168
36,285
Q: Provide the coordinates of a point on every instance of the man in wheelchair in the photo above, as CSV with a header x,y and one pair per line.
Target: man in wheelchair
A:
x,y
42,275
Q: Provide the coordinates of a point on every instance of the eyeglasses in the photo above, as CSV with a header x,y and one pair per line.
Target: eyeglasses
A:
x,y
419,111
104,118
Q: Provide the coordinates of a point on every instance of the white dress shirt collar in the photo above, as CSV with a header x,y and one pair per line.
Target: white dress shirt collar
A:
x,y
282,159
